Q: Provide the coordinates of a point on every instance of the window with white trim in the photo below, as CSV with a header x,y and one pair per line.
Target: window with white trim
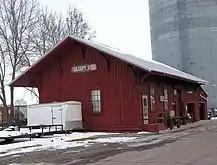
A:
x,y
96,100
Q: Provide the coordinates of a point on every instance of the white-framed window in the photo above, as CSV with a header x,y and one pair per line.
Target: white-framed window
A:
x,y
96,100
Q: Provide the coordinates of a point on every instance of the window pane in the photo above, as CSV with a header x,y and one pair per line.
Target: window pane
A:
x,y
95,100
92,92
98,104
94,105
95,92
145,101
98,92
98,98
96,109
92,98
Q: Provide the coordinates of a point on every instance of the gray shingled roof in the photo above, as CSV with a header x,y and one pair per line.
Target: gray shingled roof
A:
x,y
141,63
151,66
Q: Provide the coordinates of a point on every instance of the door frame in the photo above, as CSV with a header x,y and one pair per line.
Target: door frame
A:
x,y
194,109
145,118
204,110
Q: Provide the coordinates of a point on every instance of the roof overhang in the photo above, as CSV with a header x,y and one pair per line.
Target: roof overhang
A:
x,y
181,78
26,79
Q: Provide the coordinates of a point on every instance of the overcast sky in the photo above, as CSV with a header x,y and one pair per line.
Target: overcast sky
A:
x,y
123,24
120,23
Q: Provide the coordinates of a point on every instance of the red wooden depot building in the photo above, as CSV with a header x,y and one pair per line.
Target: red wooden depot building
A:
x,y
118,92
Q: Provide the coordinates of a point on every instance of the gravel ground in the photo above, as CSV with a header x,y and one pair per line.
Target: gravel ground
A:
x,y
101,151
193,147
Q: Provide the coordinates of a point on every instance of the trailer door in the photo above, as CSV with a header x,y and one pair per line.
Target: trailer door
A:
x,y
57,115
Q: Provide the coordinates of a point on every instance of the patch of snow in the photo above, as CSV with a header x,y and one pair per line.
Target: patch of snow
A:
x,y
36,145
143,133
49,143
24,131
71,140
214,118
114,139
6,133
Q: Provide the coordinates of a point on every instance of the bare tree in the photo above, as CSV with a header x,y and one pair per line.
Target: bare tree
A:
x,y
52,28
26,33
17,20
3,64
77,26
20,102
33,92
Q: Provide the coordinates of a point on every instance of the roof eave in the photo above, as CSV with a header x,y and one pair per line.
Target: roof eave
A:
x,y
104,50
183,79
206,83
37,61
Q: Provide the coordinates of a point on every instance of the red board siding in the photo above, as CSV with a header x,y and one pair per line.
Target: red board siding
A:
x,y
120,90
116,80
163,83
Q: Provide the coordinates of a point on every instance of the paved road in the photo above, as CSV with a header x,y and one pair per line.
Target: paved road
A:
x,y
199,148
195,146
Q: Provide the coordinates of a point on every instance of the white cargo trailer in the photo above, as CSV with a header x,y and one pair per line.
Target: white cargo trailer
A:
x,y
68,114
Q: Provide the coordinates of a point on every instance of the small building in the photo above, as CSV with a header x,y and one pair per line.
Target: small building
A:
x,y
118,92
19,116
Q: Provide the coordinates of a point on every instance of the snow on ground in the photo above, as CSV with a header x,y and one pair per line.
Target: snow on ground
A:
x,y
60,142
8,133
114,139
143,133
214,118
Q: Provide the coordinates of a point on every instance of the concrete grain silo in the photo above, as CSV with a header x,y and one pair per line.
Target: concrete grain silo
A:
x,y
184,36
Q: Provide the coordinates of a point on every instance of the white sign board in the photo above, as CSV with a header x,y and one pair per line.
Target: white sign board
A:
x,y
163,99
84,68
